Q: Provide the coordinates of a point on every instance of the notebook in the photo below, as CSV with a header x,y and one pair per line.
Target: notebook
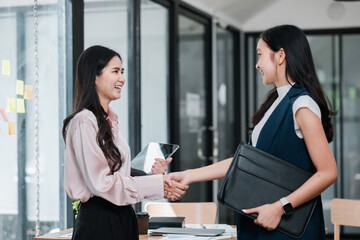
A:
x,y
158,222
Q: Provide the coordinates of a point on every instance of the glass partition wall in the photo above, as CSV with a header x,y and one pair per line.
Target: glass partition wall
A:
x,y
194,103
17,117
225,105
350,119
105,23
325,51
155,95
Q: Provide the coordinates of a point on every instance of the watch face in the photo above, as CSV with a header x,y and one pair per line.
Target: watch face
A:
x,y
288,209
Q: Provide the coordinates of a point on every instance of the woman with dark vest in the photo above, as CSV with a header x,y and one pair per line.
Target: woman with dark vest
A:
x,y
294,124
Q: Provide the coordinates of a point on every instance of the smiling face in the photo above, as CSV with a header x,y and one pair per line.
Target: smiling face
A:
x,y
266,63
110,82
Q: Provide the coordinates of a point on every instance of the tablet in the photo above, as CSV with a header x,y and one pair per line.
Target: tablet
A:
x,y
146,158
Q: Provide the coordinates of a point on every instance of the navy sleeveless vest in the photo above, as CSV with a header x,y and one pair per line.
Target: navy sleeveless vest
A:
x,y
278,138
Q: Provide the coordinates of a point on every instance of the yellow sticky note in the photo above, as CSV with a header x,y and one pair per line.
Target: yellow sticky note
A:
x,y
11,104
6,67
20,87
28,94
12,127
20,104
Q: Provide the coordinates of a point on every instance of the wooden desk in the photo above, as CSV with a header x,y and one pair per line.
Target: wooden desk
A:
x,y
53,236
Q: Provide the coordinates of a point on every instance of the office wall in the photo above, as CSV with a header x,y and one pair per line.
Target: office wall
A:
x,y
307,14
257,15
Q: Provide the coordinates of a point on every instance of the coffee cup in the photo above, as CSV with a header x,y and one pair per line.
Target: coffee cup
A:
x,y
143,222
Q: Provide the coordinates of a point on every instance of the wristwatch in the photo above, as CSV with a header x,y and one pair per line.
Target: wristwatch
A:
x,y
287,207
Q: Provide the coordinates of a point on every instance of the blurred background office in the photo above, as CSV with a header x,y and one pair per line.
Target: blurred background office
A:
x,y
191,80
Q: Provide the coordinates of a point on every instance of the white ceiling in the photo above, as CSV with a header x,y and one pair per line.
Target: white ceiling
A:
x,y
257,15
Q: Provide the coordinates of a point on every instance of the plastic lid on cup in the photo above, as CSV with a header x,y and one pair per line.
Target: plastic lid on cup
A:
x,y
142,214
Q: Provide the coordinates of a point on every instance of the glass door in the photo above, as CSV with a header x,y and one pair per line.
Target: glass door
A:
x,y
194,102
225,109
324,51
350,115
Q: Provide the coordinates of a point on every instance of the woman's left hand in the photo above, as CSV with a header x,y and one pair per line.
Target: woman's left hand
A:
x,y
269,215
160,166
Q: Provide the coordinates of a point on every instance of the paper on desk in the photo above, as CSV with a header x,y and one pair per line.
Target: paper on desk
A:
x,y
68,235
182,237
229,232
192,237
228,228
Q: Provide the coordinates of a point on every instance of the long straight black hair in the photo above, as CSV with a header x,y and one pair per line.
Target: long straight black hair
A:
x,y
90,64
300,68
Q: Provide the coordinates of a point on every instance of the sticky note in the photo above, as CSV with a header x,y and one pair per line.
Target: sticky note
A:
x,y
28,94
20,87
20,105
3,115
11,104
6,67
12,127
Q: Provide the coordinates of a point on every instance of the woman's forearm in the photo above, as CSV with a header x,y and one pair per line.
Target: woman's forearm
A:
x,y
320,181
210,172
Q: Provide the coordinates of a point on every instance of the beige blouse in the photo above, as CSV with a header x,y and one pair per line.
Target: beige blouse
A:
x,y
88,174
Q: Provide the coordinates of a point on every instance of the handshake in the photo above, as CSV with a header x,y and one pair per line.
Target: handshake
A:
x,y
175,184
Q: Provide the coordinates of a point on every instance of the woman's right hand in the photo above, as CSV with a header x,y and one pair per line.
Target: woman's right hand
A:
x,y
181,178
269,215
173,190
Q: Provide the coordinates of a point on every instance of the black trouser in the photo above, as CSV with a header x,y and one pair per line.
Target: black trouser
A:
x,y
100,219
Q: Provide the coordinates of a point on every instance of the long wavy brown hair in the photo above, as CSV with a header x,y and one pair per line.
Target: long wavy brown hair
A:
x,y
90,64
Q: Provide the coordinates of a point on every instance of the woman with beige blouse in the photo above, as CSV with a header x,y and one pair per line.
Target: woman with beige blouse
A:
x,y
98,163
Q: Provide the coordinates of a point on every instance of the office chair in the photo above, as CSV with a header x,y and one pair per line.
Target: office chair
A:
x,y
344,212
194,212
